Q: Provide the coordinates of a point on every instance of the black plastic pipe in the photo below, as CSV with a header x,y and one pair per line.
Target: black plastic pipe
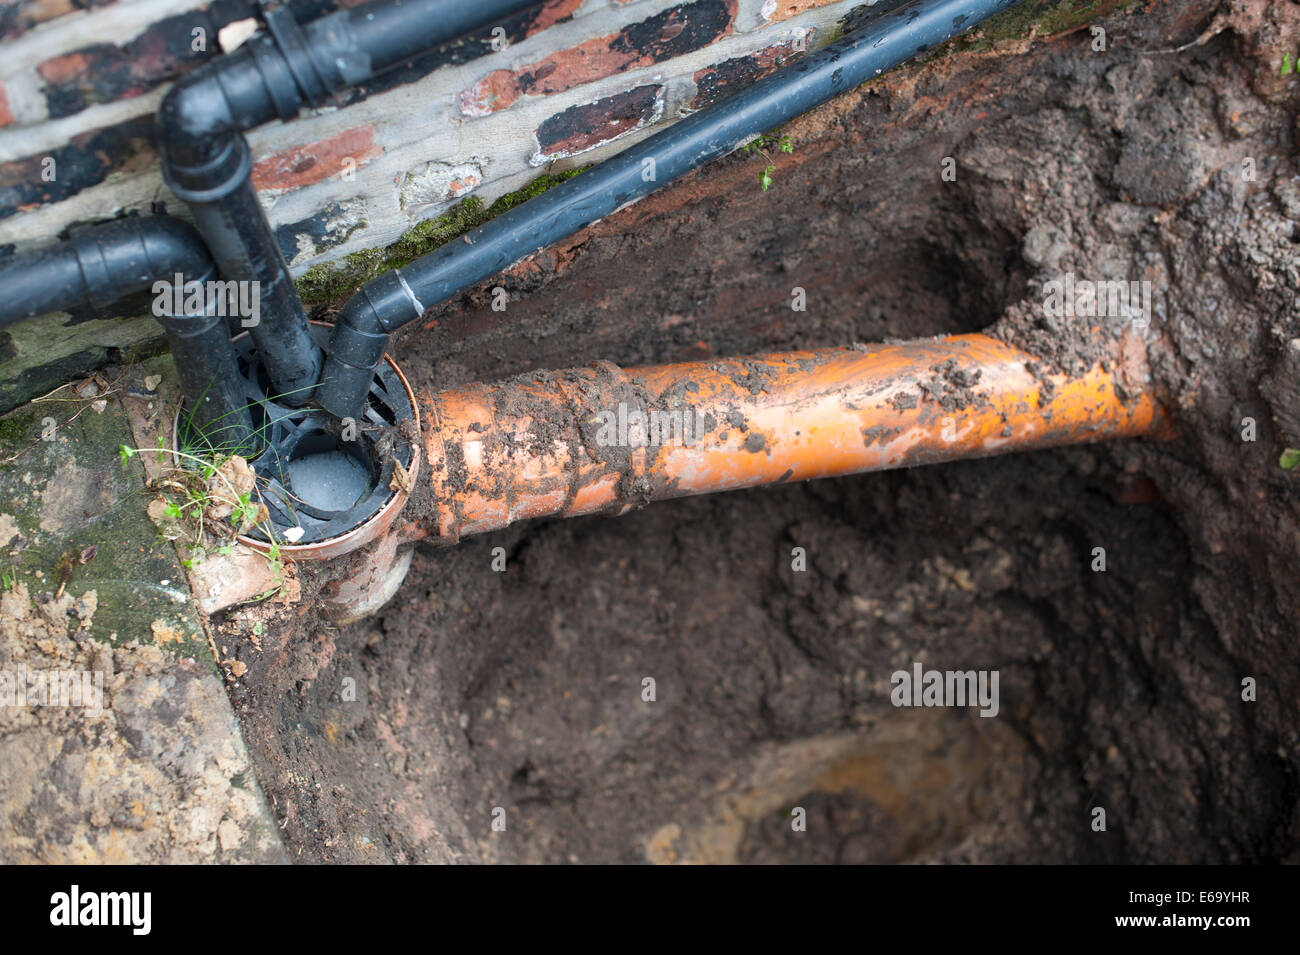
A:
x,y
364,40
103,263
245,250
99,264
206,160
276,73
218,411
387,303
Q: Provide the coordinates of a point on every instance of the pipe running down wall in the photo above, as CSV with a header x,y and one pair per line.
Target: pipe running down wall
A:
x,y
562,444
206,158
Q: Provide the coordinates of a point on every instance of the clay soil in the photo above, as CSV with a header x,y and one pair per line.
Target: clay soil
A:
x,y
400,737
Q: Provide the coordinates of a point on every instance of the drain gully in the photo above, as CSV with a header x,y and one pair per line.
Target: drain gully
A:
x,y
328,484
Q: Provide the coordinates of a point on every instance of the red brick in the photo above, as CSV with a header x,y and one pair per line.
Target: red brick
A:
x,y
60,69
553,12
314,162
21,15
717,81
774,11
685,27
86,160
580,128
104,71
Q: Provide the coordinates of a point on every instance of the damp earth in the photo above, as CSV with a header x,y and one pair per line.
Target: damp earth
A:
x,y
519,696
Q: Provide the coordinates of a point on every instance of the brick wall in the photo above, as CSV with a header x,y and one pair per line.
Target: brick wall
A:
x,y
576,81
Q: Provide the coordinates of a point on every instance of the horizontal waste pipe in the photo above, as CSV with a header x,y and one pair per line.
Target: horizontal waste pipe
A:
x,y
207,163
395,298
590,441
101,264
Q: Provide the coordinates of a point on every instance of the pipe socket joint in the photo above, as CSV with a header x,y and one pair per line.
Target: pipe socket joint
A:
x,y
210,180
360,339
125,253
316,75
353,358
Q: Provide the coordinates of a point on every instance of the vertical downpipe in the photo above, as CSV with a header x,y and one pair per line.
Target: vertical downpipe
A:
x,y
221,196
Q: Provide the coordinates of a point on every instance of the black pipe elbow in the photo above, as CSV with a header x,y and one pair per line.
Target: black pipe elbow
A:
x,y
100,264
173,243
130,254
202,118
194,114
169,256
271,76
359,340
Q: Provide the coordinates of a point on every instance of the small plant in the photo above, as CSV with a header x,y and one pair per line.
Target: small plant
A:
x,y
274,559
9,579
244,511
189,497
1290,459
760,146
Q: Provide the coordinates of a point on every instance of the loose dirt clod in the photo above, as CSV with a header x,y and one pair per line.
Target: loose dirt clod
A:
x,y
233,478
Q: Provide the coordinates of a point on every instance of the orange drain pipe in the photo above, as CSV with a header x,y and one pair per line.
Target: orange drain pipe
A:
x,y
604,440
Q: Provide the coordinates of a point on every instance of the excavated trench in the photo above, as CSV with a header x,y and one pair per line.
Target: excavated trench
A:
x,y
517,696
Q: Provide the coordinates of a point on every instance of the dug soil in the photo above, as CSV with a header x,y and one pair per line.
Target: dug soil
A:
x,y
506,715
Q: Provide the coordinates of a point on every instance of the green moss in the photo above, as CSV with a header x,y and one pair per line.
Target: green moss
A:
x,y
82,517
15,430
335,280
535,188
1039,18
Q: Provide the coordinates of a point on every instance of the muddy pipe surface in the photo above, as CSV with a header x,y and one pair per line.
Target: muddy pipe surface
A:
x,y
607,440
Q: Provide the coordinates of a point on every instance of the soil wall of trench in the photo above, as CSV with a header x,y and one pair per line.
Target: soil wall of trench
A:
x,y
517,697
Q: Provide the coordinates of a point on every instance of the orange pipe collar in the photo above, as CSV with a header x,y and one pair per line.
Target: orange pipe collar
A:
x,y
575,442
